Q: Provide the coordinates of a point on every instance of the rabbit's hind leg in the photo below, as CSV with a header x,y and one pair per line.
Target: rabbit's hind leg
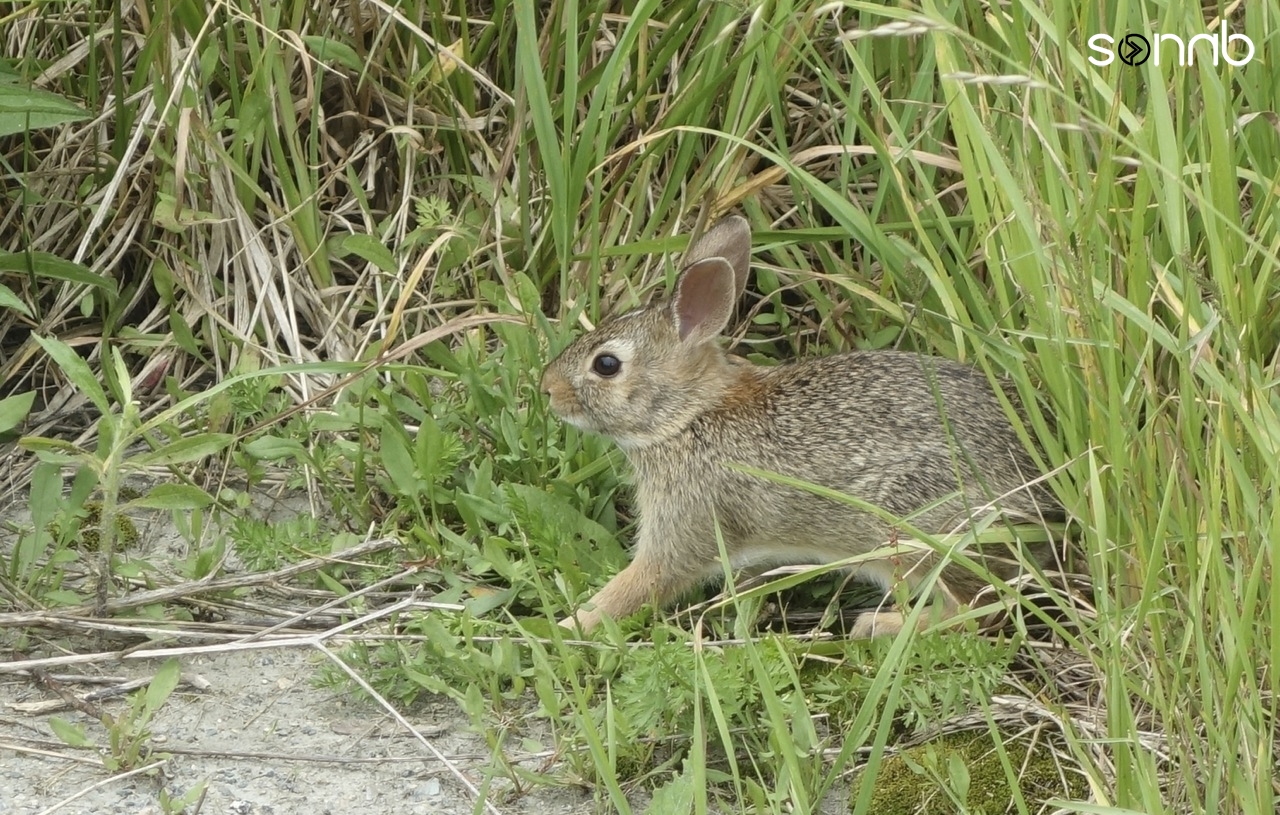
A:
x,y
888,623
956,588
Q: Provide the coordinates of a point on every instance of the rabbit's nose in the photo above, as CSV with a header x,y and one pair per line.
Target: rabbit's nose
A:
x,y
555,387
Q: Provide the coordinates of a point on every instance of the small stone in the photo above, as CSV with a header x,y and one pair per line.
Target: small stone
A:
x,y
427,789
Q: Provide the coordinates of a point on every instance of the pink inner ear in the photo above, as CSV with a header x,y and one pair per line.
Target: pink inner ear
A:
x,y
704,298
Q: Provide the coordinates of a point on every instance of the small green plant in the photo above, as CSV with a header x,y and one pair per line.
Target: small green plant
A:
x,y
265,545
129,735
188,802
113,459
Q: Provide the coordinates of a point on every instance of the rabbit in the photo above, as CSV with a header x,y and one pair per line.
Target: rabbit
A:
x,y
921,437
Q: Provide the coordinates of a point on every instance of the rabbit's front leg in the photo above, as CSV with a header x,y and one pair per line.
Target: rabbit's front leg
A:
x,y
648,579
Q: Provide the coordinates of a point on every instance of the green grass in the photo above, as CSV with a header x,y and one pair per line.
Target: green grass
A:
x,y
275,207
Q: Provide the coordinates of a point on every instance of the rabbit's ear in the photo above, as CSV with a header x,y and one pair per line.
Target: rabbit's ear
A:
x,y
703,300
730,239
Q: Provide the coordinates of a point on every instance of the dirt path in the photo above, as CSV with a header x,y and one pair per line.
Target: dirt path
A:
x,y
268,742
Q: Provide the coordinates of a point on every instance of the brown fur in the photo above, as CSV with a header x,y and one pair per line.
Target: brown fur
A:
x,y
919,437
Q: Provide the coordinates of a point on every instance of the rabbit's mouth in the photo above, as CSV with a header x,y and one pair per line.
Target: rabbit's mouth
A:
x,y
576,418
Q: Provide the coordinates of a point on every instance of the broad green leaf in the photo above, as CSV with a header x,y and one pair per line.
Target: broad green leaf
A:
x,y
46,500
44,264
10,300
326,49
333,585
63,597
27,108
38,444
123,387
365,247
77,370
163,277
14,409
183,335
163,683
51,457
167,215
71,734
398,463
676,796
271,448
190,448
173,496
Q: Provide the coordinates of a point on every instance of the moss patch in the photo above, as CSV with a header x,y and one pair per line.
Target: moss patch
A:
x,y
91,528
930,779
90,533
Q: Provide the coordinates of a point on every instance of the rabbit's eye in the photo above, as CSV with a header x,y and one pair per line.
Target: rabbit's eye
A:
x,y
606,365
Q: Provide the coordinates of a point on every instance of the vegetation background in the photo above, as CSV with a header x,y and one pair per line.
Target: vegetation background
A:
x,y
329,245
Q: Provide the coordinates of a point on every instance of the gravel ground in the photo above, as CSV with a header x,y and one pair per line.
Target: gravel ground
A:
x,y
266,741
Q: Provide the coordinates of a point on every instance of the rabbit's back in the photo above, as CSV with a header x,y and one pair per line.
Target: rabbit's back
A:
x,y
900,431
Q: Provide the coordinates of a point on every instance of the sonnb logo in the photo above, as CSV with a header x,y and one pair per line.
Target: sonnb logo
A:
x,y
1135,49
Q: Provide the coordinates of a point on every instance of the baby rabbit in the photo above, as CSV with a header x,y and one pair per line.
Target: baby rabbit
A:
x,y
920,437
